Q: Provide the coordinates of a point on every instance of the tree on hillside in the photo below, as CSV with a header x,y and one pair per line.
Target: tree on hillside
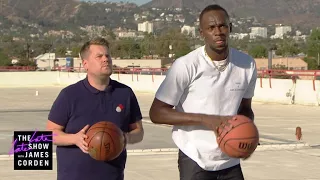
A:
x,y
4,59
313,50
126,48
288,47
148,44
258,51
179,42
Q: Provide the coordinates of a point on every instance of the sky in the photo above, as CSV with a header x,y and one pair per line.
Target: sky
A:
x,y
138,2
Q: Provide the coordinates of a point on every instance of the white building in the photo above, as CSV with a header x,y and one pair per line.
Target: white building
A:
x,y
238,35
281,31
258,32
189,30
127,34
45,61
145,27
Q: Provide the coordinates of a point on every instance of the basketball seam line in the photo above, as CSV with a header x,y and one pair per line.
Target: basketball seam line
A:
x,y
93,136
113,144
231,129
102,140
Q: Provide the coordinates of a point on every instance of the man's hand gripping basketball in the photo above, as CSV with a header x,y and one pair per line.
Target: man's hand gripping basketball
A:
x,y
79,139
213,122
225,125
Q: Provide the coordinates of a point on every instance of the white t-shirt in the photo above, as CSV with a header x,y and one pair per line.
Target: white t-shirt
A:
x,y
194,85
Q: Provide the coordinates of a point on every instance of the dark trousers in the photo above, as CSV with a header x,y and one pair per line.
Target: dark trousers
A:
x,y
190,170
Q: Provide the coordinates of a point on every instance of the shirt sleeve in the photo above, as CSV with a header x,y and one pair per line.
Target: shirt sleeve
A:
x,y
176,81
252,85
135,112
60,110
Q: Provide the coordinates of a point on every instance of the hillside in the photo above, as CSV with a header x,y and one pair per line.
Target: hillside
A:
x,y
66,13
73,13
295,12
38,11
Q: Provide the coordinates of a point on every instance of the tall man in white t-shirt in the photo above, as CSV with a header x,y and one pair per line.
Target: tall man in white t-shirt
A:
x,y
207,86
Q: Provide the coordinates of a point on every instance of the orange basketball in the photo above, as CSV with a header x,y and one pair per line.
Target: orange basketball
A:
x,y
105,141
238,138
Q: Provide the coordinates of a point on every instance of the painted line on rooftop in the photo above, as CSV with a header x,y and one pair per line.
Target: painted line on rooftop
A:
x,y
168,151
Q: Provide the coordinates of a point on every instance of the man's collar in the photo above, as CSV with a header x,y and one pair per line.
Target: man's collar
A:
x,y
92,89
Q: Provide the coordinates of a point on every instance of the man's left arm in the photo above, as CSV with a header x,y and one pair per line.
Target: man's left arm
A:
x,y
136,131
246,109
135,134
245,105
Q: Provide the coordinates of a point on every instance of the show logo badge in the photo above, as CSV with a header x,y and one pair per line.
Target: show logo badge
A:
x,y
32,150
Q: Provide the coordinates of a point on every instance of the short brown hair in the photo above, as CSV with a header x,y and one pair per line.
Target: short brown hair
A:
x,y
95,41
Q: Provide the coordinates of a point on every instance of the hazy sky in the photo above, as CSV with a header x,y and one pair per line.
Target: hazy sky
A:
x,y
139,2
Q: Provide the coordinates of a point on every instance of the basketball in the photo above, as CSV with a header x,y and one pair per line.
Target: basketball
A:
x,y
105,141
238,138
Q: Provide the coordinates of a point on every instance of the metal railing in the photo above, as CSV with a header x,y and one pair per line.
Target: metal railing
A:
x,y
289,74
135,72
17,68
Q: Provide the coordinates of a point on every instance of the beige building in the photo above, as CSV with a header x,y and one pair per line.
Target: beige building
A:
x,y
291,63
142,63
49,61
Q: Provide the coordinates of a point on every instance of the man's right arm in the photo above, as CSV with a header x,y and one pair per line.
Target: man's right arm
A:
x,y
168,95
60,138
163,113
57,120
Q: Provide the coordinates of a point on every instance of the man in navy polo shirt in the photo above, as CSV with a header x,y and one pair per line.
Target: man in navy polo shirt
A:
x,y
80,105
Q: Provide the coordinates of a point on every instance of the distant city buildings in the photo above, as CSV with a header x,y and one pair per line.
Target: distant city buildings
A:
x,y
258,32
145,27
281,31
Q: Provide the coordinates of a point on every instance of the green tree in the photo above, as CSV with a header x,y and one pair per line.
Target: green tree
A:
x,y
110,34
126,48
60,51
240,44
147,44
312,63
288,47
313,43
313,50
258,51
75,50
179,42
4,59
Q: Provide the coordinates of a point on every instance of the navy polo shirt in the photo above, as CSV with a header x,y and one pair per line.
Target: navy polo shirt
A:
x,y
80,104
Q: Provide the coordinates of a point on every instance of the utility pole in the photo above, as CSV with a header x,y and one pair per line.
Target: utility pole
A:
x,y
28,51
318,59
318,62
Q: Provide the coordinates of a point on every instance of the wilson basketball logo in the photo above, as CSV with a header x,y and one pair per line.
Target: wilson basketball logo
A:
x,y
245,146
